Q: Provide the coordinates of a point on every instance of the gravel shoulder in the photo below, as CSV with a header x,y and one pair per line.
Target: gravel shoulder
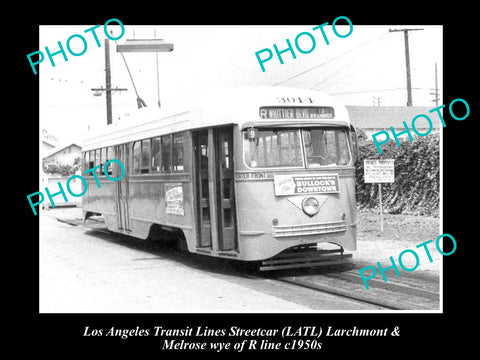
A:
x,y
401,232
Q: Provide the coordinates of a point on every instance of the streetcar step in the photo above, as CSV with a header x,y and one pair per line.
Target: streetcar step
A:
x,y
319,258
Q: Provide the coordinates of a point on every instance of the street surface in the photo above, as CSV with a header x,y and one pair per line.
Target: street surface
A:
x,y
83,270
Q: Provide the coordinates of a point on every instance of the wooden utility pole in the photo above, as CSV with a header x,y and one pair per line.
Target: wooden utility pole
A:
x,y
437,98
108,83
407,60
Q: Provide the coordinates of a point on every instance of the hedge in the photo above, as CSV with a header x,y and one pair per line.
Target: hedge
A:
x,y
417,177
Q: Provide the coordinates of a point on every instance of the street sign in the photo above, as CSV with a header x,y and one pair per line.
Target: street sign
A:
x,y
379,171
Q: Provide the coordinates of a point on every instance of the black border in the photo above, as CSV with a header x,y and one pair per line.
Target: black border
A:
x,y
431,334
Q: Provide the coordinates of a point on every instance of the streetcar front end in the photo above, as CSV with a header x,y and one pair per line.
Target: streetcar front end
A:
x,y
295,184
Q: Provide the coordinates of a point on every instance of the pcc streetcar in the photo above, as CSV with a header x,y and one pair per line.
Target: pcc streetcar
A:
x,y
256,174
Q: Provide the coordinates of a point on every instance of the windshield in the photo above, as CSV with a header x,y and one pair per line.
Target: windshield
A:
x,y
290,147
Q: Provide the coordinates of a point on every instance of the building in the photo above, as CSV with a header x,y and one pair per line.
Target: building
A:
x,y
48,141
63,154
371,119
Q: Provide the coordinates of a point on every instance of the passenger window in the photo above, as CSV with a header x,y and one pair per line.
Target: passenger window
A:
x,y
136,157
178,152
145,165
97,160
91,161
86,160
156,155
166,153
103,160
110,156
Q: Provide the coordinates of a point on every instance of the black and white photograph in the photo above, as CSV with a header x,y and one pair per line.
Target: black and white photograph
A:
x,y
249,187
240,168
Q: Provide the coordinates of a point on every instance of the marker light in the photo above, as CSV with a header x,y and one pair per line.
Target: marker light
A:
x,y
310,206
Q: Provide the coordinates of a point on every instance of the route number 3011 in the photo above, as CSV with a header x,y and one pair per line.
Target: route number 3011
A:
x,y
294,100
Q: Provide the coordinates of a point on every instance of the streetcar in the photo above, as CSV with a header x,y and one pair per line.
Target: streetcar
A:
x,y
263,175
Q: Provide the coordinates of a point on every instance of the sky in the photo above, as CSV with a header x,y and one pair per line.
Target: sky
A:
x,y
365,68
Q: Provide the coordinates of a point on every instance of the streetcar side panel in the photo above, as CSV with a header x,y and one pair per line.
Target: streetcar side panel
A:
x,y
155,190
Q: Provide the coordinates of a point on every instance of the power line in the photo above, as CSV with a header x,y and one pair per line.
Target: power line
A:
x,y
341,73
330,60
372,90
366,91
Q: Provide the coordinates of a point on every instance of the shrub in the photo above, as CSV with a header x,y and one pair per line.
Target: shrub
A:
x,y
64,169
417,177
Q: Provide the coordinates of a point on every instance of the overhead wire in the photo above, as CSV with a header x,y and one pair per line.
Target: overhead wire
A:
x,y
331,59
359,64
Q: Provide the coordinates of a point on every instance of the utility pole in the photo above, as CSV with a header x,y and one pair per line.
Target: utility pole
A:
x,y
407,60
108,83
437,97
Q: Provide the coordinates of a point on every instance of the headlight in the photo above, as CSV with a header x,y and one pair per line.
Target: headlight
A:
x,y
310,206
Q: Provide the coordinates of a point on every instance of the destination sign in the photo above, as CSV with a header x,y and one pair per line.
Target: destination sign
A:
x,y
297,112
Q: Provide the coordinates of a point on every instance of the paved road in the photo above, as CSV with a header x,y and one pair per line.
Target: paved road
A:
x,y
89,271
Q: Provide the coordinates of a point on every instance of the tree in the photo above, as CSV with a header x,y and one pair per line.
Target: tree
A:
x,y
64,169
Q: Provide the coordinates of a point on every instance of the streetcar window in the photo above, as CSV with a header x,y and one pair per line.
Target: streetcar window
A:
x,y
156,155
270,148
166,153
97,159
86,160
145,164
91,162
273,148
227,156
326,147
110,156
103,160
354,142
178,163
136,157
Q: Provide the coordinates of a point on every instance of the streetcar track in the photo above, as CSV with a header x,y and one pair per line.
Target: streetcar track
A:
x,y
407,288
390,295
343,281
331,291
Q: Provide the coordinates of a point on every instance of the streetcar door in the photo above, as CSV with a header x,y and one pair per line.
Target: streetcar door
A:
x,y
201,154
214,182
121,198
222,169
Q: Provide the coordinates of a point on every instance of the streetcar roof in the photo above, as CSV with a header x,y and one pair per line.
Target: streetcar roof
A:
x,y
216,107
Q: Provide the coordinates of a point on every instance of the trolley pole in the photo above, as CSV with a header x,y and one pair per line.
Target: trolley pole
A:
x,y
407,61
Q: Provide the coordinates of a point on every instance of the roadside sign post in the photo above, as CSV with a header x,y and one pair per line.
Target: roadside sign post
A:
x,y
381,206
379,171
